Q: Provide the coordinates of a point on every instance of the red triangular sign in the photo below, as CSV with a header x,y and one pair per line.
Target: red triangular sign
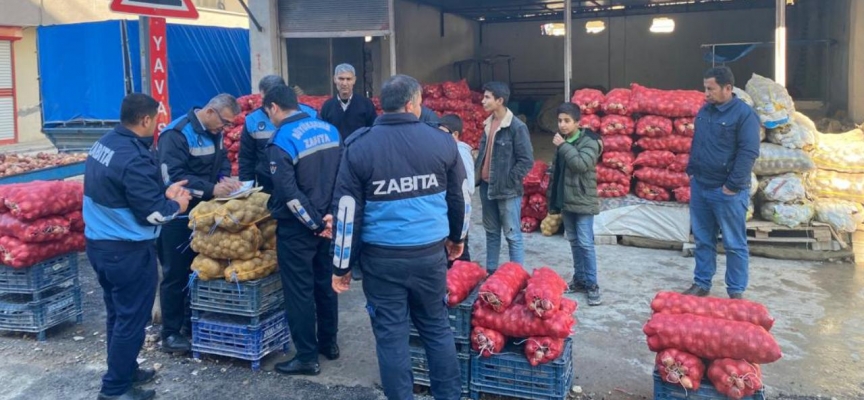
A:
x,y
156,8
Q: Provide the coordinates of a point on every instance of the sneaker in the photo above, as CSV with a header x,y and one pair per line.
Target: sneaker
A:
x,y
176,344
738,296
696,290
576,286
594,296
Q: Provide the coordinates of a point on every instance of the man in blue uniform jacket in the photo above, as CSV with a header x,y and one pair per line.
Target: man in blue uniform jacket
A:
x,y
191,150
125,203
402,195
304,157
257,131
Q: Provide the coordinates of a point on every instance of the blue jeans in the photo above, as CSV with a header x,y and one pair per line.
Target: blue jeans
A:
x,y
502,215
712,211
579,230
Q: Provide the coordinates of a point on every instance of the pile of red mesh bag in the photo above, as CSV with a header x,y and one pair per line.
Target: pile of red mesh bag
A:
x,y
457,98
534,204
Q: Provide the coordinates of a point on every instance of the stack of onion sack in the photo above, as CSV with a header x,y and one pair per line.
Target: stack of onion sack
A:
x,y
729,336
235,240
665,135
40,220
615,167
457,98
514,305
534,205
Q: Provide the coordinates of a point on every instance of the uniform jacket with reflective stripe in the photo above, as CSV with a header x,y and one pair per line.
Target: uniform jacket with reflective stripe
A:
x,y
187,151
304,157
256,134
401,185
124,197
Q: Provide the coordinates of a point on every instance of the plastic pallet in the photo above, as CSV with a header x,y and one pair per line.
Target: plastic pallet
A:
x,y
233,336
460,318
247,299
21,313
509,374
420,366
667,391
39,277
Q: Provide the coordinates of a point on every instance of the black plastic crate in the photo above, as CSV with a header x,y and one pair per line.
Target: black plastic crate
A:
x,y
420,365
248,299
39,277
460,318
509,374
233,336
21,313
666,391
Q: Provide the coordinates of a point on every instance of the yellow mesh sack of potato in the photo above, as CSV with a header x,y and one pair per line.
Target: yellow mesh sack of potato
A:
x,y
551,225
835,185
250,270
233,215
841,152
226,245
209,269
268,234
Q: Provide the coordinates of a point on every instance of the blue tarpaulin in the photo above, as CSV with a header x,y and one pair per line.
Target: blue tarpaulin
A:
x,y
82,68
81,71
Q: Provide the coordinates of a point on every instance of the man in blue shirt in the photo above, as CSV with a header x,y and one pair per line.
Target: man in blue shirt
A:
x,y
725,147
125,204
401,200
256,133
304,157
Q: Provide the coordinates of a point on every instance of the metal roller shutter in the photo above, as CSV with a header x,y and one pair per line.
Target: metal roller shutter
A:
x,y
7,103
333,18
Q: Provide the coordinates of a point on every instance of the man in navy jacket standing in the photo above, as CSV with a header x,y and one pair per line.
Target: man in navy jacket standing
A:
x,y
125,205
304,157
401,200
347,111
724,150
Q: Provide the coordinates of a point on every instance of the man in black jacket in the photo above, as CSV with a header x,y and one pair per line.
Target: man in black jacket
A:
x,y
190,149
347,111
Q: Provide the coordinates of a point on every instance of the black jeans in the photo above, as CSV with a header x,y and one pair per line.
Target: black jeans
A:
x,y
176,257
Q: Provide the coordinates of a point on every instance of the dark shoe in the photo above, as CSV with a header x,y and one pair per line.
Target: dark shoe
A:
x,y
576,287
736,296
131,394
331,352
296,367
695,290
143,376
594,296
176,344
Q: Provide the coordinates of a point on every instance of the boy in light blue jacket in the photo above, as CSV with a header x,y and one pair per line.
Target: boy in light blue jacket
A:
x,y
452,124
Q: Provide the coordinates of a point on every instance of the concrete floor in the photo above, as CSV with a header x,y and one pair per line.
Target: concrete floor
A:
x,y
819,327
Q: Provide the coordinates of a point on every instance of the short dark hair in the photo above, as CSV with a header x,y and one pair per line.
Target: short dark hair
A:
x,y
499,90
570,109
282,96
723,75
397,91
135,107
269,82
452,122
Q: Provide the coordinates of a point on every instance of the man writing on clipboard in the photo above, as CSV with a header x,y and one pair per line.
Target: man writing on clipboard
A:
x,y
190,149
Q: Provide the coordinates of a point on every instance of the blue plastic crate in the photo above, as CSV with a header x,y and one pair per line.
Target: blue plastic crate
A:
x,y
21,313
460,318
233,336
420,365
39,277
666,391
248,299
509,374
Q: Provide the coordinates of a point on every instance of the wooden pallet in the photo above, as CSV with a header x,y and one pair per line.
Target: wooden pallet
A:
x,y
815,236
